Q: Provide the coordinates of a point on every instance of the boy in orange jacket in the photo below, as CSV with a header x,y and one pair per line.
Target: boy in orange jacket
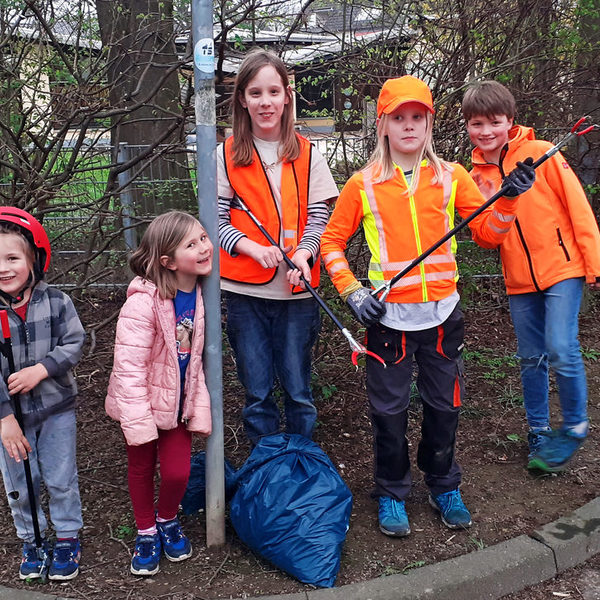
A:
x,y
552,249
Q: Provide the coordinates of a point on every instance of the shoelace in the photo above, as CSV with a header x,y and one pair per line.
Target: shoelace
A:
x,y
145,547
449,501
30,554
395,508
172,533
63,552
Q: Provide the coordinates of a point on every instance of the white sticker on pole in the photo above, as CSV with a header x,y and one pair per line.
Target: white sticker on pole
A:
x,y
204,55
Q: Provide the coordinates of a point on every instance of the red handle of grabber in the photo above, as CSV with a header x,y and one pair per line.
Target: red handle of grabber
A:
x,y
586,130
4,324
583,131
574,128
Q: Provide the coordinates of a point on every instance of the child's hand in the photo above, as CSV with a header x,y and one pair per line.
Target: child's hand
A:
x,y
14,441
300,259
267,256
26,379
486,186
520,179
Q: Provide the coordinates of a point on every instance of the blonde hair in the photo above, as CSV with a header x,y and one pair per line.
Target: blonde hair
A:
x,y
381,164
161,238
289,146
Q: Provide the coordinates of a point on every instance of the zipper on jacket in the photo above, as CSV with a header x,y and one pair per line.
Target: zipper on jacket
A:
x,y
501,158
527,254
562,244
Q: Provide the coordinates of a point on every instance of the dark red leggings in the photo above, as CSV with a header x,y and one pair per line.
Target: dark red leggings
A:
x,y
173,449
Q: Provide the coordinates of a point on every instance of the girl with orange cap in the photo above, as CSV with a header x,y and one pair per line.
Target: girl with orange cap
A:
x,y
405,198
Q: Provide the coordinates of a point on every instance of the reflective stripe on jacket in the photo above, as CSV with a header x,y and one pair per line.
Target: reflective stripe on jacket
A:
x,y
251,184
555,236
399,227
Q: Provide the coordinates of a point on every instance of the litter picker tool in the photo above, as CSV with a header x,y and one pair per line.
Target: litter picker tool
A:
x,y
381,292
6,350
356,347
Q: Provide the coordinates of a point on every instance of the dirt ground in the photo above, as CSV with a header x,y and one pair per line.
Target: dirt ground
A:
x,y
505,500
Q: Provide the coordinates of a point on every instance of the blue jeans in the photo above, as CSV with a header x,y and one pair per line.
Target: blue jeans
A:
x,y
274,338
546,325
52,461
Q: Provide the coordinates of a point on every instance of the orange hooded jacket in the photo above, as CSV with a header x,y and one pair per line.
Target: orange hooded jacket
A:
x,y
555,235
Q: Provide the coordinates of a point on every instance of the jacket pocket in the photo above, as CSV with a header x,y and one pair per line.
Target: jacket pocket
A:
x,y
562,244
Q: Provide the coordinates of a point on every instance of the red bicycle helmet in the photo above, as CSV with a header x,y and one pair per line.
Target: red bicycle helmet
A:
x,y
34,232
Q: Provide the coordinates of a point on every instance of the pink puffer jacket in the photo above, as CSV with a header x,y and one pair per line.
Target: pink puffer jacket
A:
x,y
144,387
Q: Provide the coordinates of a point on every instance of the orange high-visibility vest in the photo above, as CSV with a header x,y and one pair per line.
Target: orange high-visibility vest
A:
x,y
251,184
435,278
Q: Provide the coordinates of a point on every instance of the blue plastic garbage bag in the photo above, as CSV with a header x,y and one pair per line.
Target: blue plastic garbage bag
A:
x,y
195,494
292,507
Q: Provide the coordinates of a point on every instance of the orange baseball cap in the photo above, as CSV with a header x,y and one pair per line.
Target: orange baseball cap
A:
x,y
400,90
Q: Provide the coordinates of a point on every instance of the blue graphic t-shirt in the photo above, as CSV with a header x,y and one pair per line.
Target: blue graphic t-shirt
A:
x,y
185,307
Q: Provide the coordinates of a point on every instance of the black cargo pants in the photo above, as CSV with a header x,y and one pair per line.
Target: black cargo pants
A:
x,y
438,354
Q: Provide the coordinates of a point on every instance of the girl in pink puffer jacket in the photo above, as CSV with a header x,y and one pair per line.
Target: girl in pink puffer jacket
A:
x,y
157,390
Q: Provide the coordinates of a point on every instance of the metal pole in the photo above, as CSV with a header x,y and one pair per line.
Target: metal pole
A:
x,y
204,87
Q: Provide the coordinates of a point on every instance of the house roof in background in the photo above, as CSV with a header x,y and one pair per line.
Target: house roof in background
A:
x,y
72,22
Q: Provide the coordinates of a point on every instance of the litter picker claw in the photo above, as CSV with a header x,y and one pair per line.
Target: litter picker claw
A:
x,y
576,131
356,347
6,350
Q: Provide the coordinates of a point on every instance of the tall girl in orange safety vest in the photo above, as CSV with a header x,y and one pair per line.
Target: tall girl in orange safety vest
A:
x,y
272,324
405,199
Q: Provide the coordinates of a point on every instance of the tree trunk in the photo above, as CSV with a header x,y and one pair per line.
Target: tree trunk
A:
x,y
142,73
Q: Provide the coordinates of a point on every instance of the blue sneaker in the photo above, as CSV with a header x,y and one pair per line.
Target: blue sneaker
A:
x,y
65,560
556,451
146,556
175,544
452,509
535,440
393,519
32,562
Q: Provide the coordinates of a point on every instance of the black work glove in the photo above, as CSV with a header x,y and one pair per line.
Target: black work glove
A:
x,y
520,179
366,308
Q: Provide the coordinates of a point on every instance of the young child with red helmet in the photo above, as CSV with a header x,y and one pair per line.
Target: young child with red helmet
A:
x,y
47,339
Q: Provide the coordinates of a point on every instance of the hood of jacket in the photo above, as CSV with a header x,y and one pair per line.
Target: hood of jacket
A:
x,y
143,286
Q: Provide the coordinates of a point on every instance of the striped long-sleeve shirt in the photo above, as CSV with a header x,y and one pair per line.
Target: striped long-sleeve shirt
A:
x,y
318,213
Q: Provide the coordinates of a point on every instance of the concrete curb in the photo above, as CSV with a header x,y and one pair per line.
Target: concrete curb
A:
x,y
485,574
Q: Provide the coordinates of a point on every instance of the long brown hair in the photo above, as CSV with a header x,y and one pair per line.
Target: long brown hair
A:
x,y
161,238
289,146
